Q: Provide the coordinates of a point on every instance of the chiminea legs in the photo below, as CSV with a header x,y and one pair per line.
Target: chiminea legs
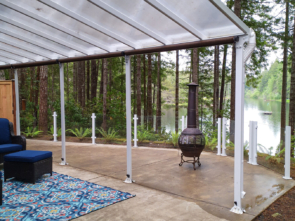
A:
x,y
194,161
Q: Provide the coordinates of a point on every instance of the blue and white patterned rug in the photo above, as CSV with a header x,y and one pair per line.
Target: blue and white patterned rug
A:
x,y
57,197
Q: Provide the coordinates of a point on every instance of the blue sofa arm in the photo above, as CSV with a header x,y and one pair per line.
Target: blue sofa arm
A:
x,y
17,139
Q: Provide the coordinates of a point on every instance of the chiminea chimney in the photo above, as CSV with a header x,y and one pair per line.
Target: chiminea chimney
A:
x,y
191,141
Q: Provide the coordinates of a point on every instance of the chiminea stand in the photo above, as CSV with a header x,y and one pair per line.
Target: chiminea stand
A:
x,y
194,161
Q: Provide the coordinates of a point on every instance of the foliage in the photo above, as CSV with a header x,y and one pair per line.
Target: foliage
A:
x,y
32,132
80,133
277,158
109,135
175,135
210,143
51,131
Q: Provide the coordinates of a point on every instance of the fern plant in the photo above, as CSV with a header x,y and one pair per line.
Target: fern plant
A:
x,y
109,135
175,135
210,143
32,132
51,131
142,135
80,133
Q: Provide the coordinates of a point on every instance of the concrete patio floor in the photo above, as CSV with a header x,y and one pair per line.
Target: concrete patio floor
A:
x,y
164,190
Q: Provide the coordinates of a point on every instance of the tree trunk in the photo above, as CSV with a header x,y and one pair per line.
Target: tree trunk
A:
x,y
159,111
222,81
104,79
43,113
101,82
2,75
284,79
292,91
138,89
32,84
36,97
149,92
195,80
75,81
83,83
52,84
134,83
237,10
22,86
94,77
88,80
144,93
216,85
176,91
68,84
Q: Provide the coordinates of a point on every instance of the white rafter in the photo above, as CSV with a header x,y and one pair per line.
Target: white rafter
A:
x,y
80,36
89,23
29,49
231,15
44,35
13,57
8,60
17,52
129,21
34,42
157,5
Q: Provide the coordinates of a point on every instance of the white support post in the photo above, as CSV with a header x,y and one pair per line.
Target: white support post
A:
x,y
224,120
135,130
253,143
239,128
54,127
93,128
182,123
17,102
62,108
128,121
287,153
219,137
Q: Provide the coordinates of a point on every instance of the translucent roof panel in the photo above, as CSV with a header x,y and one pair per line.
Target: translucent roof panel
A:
x,y
40,30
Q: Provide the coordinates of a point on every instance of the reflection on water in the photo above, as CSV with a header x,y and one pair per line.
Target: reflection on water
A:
x,y
268,132
268,125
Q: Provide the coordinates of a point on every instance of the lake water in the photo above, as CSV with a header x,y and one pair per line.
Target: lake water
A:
x,y
268,125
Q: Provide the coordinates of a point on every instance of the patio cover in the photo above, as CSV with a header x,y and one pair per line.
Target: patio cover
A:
x,y
43,32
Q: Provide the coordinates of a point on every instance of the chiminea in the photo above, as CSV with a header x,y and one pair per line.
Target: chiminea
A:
x,y
191,141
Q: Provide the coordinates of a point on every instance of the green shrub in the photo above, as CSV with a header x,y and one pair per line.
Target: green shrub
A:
x,y
80,133
51,131
175,136
210,143
109,135
32,132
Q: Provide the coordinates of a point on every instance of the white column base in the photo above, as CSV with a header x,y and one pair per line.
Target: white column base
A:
x,y
224,155
93,140
237,210
129,180
135,143
254,164
287,178
218,151
243,194
54,137
62,163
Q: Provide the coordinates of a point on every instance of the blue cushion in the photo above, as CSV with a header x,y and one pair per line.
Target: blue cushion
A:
x,y
4,131
30,156
4,148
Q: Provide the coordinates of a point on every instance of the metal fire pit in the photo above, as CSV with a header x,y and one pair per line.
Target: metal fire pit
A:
x,y
191,141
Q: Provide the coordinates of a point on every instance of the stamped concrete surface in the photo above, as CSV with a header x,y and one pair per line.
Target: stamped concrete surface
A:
x,y
173,192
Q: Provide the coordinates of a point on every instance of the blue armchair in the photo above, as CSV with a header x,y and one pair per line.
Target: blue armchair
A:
x,y
9,143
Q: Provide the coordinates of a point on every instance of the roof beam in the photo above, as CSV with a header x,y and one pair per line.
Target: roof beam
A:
x,y
29,49
80,36
8,60
231,15
89,23
129,21
194,31
18,52
34,42
44,35
13,57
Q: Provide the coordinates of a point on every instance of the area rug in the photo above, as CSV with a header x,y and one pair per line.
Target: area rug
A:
x,y
56,197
